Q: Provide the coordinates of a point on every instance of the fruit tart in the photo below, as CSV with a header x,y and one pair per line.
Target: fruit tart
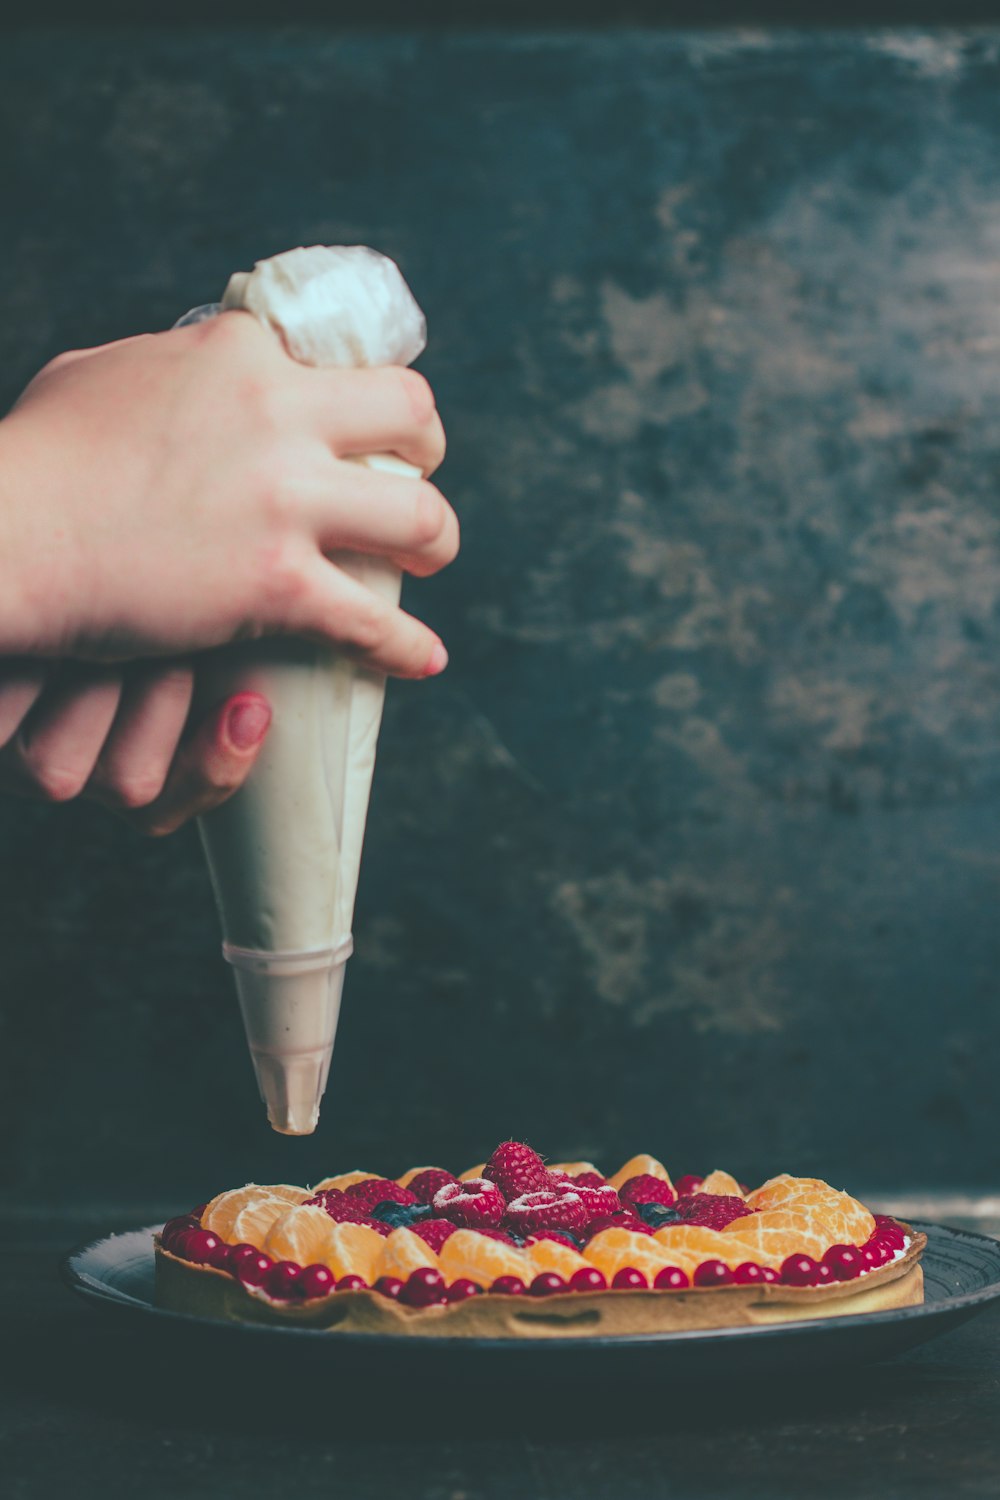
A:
x,y
515,1248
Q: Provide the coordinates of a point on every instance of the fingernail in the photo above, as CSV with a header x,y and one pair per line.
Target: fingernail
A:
x,y
247,723
437,661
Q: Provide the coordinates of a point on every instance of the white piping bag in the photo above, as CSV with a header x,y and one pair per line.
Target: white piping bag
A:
x,y
284,853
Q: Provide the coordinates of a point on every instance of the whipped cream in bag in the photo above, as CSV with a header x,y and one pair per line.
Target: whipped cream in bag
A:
x,y
284,853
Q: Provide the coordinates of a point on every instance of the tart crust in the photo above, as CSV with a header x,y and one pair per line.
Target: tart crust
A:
x,y
205,1292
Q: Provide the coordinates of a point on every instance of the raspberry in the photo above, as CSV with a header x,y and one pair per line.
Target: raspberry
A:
x,y
646,1189
710,1210
591,1180
688,1185
516,1170
429,1182
617,1221
434,1232
500,1235
546,1210
378,1225
375,1190
598,1202
342,1210
475,1204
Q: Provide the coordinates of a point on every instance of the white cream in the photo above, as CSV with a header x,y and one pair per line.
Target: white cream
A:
x,y
284,853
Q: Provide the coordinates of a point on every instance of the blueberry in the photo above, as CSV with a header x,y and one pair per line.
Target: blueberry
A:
x,y
658,1214
401,1215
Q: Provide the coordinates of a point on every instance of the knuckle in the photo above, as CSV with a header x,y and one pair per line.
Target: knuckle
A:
x,y
430,514
283,580
54,783
133,791
419,395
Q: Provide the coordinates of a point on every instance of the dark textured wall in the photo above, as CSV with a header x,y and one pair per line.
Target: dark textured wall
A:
x,y
697,844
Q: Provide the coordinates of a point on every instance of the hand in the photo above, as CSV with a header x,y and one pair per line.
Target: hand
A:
x,y
123,737
176,491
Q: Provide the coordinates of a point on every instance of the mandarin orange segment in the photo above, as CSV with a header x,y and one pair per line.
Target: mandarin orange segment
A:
x,y
722,1183
849,1219
404,1252
640,1166
354,1250
221,1211
777,1233
550,1255
613,1249
343,1181
466,1253
253,1218
301,1234
573,1168
472,1172
687,1245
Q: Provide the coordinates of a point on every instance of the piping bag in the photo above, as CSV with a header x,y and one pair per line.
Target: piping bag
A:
x,y
285,851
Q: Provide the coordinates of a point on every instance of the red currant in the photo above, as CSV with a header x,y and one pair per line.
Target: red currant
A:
x,y
389,1286
546,1283
352,1283
509,1286
799,1270
671,1279
317,1281
749,1274
249,1265
628,1279
587,1279
845,1261
424,1288
713,1273
769,1274
283,1281
686,1185
200,1245
463,1288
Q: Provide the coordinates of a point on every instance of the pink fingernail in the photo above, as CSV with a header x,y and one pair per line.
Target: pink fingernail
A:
x,y
247,722
437,661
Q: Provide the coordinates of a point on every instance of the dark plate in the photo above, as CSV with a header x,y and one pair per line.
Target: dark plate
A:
x,y
961,1271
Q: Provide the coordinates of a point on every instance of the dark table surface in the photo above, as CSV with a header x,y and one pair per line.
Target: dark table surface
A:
x,y
91,1407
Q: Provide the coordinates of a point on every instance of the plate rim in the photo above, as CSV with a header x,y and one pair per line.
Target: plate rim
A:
x,y
85,1285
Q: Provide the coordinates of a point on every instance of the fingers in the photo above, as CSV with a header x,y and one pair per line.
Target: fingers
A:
x,y
135,760
384,410
57,746
337,608
211,766
385,515
20,685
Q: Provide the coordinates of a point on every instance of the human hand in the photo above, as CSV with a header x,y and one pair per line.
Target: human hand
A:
x,y
176,491
124,737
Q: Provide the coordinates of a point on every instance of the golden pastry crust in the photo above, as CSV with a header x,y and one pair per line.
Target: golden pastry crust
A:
x,y
204,1292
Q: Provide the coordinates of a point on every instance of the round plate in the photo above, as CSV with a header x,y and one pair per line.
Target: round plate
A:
x,y
961,1277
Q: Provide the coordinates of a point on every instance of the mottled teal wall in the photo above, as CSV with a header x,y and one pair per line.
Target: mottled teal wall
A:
x,y
696,846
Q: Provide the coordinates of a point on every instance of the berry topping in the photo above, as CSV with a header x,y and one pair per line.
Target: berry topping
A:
x,y
434,1232
375,1190
598,1202
713,1273
845,1261
799,1270
380,1226
587,1279
508,1286
428,1182
424,1288
283,1281
501,1236
889,1232
546,1209
516,1170
770,1274
316,1281
173,1229
475,1204
341,1208
352,1284
710,1210
401,1215
462,1289
627,1221
646,1189
688,1185
824,1275
389,1286
671,1279
749,1274
221,1256
200,1245
249,1265
628,1279
546,1283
